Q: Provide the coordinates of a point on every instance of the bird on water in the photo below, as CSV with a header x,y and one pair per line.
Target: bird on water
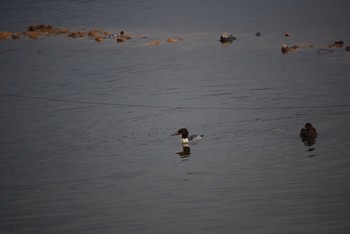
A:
x,y
308,131
186,138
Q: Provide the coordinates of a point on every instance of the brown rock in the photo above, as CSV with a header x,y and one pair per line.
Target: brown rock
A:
x,y
153,43
99,39
5,35
32,34
16,36
94,33
48,30
173,40
336,44
77,34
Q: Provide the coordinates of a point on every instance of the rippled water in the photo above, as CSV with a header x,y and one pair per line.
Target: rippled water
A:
x,y
86,143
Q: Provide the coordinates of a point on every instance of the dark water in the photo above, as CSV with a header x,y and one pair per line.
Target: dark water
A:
x,y
86,127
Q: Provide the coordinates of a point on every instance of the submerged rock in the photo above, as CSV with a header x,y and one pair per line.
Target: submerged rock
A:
x,y
324,51
32,35
99,35
41,28
48,30
94,33
16,36
173,40
99,39
286,49
77,34
152,43
35,31
336,44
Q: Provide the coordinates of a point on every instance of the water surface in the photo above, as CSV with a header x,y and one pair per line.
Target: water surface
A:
x,y
86,143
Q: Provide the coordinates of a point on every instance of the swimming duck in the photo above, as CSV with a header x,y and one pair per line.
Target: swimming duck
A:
x,y
308,131
123,37
185,138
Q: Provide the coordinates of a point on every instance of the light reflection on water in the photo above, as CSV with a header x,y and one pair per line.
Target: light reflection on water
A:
x,y
85,129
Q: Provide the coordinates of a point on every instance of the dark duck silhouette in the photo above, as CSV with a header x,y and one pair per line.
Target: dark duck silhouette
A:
x,y
308,131
308,134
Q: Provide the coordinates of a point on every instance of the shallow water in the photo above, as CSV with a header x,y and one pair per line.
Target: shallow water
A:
x,y
86,143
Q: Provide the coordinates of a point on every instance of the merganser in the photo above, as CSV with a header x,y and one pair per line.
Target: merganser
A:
x,y
186,140
123,37
308,131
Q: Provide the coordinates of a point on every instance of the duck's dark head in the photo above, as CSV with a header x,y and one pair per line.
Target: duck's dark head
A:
x,y
183,132
308,126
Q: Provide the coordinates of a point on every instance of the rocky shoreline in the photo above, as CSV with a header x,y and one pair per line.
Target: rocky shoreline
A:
x,y
40,30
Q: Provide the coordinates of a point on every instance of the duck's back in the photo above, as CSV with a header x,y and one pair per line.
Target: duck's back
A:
x,y
195,138
310,132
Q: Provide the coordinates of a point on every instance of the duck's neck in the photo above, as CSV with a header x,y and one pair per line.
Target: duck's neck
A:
x,y
185,142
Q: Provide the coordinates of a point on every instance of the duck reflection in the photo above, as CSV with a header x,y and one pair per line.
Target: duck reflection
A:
x,y
308,141
185,153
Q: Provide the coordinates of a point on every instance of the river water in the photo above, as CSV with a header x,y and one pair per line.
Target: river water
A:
x,y
85,138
